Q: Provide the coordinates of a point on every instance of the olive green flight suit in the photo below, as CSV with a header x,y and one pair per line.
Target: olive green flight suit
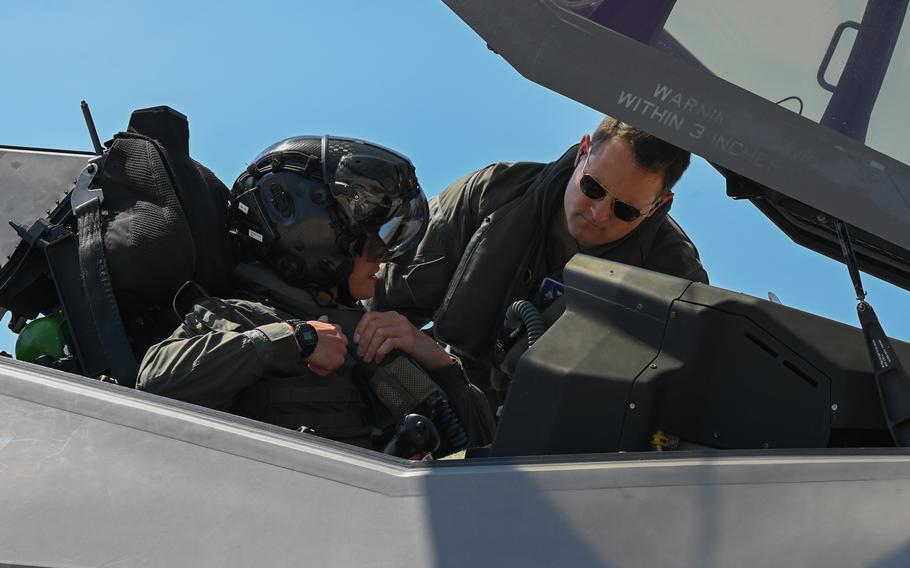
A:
x,y
240,356
490,241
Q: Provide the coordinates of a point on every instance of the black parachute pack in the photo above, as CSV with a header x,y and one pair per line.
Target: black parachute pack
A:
x,y
142,219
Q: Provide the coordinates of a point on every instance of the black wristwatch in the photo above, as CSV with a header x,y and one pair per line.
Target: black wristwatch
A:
x,y
306,337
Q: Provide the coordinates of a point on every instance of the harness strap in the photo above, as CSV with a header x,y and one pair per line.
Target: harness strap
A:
x,y
96,280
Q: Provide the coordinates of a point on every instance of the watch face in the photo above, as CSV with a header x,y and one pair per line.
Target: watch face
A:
x,y
308,335
307,338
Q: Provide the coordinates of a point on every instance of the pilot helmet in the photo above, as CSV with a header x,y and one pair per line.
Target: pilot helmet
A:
x,y
308,205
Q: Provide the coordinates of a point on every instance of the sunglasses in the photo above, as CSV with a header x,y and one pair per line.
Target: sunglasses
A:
x,y
595,191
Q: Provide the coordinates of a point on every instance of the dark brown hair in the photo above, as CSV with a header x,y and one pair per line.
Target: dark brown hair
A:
x,y
651,153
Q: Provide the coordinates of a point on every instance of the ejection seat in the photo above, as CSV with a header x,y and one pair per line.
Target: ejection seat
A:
x,y
142,219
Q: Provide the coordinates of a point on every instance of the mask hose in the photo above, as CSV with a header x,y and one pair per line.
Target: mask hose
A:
x,y
527,313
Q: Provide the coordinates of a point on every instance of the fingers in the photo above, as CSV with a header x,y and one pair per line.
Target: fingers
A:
x,y
372,320
369,324
319,370
325,359
385,348
377,338
362,324
377,327
377,334
331,348
371,330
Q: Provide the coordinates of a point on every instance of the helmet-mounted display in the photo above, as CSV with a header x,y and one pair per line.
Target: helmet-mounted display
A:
x,y
308,205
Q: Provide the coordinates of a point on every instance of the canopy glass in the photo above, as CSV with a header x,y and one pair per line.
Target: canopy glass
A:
x,y
841,63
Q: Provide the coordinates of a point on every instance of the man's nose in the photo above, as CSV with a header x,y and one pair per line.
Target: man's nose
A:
x,y
602,210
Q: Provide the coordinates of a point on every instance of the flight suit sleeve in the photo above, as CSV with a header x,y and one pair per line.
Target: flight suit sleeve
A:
x,y
416,283
212,368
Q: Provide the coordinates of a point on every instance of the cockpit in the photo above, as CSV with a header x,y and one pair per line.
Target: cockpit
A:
x,y
801,125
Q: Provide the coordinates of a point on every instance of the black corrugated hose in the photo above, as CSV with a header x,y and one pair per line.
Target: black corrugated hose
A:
x,y
454,437
530,316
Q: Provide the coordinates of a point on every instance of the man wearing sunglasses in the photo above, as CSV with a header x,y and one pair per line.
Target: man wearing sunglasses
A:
x,y
497,235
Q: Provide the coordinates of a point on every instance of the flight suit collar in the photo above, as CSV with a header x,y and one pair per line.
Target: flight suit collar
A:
x,y
259,279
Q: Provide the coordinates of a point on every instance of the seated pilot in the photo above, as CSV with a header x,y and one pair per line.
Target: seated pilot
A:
x,y
313,218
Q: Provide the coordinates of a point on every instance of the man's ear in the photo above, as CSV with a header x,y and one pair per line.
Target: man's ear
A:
x,y
661,201
583,148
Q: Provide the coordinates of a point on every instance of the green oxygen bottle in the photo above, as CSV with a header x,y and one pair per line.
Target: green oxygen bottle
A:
x,y
41,337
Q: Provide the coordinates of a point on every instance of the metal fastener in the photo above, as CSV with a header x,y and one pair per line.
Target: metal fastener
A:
x,y
834,407
631,406
653,366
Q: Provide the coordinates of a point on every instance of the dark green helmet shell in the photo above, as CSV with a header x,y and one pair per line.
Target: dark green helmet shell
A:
x,y
307,204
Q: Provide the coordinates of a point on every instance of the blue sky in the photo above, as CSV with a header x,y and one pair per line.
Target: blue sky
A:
x,y
409,75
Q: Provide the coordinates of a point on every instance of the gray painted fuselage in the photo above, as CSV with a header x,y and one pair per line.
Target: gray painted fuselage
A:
x,y
94,474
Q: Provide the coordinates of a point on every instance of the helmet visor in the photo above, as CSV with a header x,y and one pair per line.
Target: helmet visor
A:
x,y
405,227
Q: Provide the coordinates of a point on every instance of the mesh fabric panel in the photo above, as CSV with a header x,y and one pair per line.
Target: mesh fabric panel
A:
x,y
147,240
401,385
